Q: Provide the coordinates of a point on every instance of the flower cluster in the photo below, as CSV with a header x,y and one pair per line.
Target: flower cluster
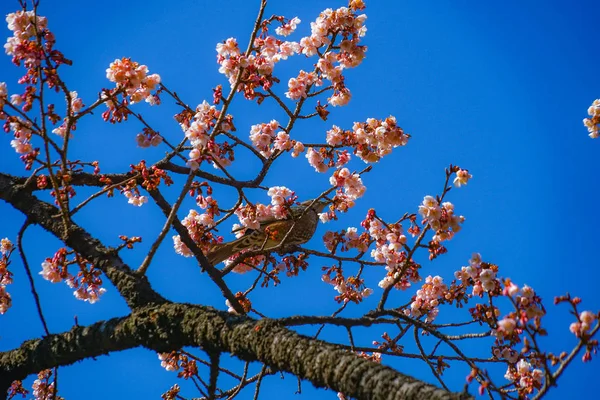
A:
x,y
440,218
350,288
176,361
349,240
24,25
87,282
42,388
316,160
151,179
525,376
376,138
584,324
528,304
351,183
133,79
22,132
263,135
255,70
593,123
23,45
284,143
389,242
148,137
507,353
198,226
6,249
349,188
344,23
480,275
298,87
172,393
390,245
427,299
197,130
134,197
370,141
288,28
250,263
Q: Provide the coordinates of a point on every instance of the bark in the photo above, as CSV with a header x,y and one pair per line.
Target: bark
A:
x,y
168,327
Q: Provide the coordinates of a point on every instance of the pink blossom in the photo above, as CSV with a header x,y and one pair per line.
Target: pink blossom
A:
x,y
297,87
24,24
5,300
16,100
354,240
21,146
287,49
340,98
228,48
76,102
592,124
335,136
279,194
288,28
426,300
133,78
3,93
5,246
134,198
262,136
462,177
283,142
507,325
352,183
50,271
180,247
315,159
298,148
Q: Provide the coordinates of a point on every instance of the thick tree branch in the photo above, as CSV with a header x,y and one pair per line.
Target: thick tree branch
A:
x,y
168,327
135,289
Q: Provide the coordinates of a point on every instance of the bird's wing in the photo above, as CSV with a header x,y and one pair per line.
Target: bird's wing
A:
x,y
295,211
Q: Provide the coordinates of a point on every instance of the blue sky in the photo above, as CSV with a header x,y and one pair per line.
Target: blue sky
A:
x,y
498,88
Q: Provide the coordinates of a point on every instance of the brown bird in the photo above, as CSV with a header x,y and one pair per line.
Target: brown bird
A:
x,y
296,229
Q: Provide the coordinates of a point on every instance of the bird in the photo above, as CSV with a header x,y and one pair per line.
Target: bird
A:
x,y
297,229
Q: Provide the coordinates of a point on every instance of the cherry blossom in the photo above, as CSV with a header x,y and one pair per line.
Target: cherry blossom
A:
x,y
263,135
133,78
288,28
592,124
462,177
427,299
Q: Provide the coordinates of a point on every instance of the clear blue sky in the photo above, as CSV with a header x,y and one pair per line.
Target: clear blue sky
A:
x,y
499,88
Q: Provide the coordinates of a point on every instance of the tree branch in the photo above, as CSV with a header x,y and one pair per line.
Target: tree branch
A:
x,y
135,289
168,327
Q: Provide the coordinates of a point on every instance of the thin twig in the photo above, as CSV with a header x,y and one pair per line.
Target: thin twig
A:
x,y
36,298
163,233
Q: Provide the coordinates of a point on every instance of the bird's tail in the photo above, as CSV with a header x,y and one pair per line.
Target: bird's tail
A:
x,y
223,251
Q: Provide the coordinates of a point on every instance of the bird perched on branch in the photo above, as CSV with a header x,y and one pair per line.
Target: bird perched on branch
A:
x,y
298,228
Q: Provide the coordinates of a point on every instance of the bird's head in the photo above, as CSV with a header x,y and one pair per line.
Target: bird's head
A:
x,y
318,205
